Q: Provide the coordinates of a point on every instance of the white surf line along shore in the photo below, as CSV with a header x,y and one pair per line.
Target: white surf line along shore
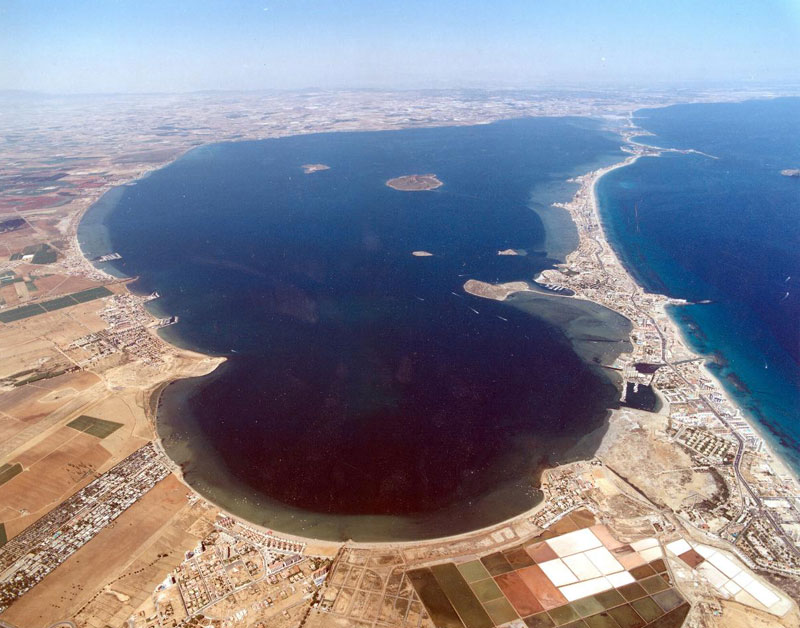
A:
x,y
615,288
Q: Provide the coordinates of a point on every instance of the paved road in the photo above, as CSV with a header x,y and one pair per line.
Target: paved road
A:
x,y
759,508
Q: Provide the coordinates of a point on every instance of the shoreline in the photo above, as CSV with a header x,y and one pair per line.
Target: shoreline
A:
x,y
153,396
763,432
683,344
644,478
75,220
587,184
155,392
521,519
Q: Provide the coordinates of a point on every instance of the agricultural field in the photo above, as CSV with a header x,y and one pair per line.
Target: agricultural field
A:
x,y
96,427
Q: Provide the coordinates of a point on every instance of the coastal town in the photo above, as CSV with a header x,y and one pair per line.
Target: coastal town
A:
x,y
683,516
236,573
702,419
30,556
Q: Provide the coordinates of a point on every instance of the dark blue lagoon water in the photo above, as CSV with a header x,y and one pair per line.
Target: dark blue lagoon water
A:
x,y
365,394
725,230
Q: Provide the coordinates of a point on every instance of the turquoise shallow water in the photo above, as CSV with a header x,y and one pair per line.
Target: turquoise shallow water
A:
x,y
725,230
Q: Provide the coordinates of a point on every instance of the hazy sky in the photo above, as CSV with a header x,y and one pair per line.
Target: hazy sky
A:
x,y
179,45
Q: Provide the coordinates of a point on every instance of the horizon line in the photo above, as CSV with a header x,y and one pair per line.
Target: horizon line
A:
x,y
565,87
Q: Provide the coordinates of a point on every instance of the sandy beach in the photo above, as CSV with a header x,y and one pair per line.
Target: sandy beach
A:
x,y
779,464
587,189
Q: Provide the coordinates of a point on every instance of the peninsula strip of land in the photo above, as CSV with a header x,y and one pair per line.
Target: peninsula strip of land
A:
x,y
80,386
752,478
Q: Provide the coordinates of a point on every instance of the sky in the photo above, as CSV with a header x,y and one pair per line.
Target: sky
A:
x,y
91,46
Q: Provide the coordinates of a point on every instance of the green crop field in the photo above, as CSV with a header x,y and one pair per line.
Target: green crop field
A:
x,y
59,303
96,427
8,471
18,313
91,294
26,311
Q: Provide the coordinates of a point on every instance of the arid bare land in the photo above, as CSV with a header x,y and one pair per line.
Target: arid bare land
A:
x,y
498,292
669,476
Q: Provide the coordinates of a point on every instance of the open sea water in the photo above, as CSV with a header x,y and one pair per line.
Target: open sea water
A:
x,y
724,230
